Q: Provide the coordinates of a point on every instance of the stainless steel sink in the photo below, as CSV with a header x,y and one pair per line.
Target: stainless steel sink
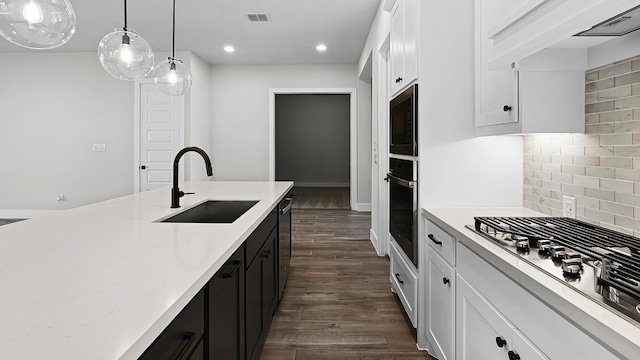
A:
x,y
213,211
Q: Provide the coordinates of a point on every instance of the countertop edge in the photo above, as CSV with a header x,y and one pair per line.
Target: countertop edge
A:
x,y
608,335
138,348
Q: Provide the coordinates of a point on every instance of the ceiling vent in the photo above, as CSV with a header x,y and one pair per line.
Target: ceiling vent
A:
x,y
258,17
618,25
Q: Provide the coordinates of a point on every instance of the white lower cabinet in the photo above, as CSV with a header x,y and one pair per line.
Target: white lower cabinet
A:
x,y
404,281
441,290
482,332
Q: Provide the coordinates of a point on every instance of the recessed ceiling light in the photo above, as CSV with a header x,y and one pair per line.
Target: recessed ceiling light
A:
x,y
229,49
321,47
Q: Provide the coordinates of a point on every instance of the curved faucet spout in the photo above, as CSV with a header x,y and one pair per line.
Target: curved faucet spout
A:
x,y
176,194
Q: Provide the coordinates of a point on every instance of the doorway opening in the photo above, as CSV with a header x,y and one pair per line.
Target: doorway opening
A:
x,y
312,142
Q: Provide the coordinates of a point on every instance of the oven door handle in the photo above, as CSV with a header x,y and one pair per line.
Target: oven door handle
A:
x,y
402,182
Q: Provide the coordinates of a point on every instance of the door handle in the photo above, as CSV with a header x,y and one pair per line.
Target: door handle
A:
x,y
287,208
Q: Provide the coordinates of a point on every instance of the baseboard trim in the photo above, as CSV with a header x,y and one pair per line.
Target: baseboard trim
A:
x,y
321,184
374,240
23,214
363,207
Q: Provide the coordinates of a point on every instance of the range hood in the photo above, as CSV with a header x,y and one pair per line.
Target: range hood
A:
x,y
618,25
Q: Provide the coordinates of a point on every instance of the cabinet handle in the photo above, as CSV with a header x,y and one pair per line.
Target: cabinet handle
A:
x,y
187,337
232,272
506,108
513,355
266,254
398,80
143,167
430,236
398,277
500,341
445,280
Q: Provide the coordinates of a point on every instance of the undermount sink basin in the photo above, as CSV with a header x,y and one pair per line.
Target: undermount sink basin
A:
x,y
213,211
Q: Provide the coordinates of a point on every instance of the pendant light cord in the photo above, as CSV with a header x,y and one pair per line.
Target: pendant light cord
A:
x,y
125,16
173,44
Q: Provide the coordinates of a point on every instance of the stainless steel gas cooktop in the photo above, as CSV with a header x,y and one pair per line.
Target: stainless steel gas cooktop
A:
x,y
600,263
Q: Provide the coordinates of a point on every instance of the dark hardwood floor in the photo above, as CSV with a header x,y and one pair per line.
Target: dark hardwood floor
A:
x,y
338,303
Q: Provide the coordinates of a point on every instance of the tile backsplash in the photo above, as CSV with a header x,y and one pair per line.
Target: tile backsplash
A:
x,y
600,168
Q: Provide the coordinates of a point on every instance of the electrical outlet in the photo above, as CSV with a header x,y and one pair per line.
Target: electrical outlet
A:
x,y
569,207
99,147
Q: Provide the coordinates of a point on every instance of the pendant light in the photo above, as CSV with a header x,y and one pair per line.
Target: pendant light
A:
x,y
37,24
125,54
172,76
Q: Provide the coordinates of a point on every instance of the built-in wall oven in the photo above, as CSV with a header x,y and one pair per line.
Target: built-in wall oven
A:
x,y
403,205
403,128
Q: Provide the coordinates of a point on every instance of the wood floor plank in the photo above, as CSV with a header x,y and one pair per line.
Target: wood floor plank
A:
x,y
338,303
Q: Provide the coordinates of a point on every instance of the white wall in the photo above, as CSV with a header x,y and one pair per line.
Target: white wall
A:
x,y
240,113
198,116
378,32
456,168
53,107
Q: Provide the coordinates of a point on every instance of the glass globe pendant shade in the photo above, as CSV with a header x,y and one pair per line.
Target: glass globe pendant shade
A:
x,y
125,55
37,24
172,77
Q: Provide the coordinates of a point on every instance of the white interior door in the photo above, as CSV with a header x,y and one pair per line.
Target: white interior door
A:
x,y
161,135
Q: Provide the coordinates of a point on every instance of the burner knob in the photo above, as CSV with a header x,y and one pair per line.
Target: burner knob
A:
x,y
522,245
571,266
544,246
558,251
500,341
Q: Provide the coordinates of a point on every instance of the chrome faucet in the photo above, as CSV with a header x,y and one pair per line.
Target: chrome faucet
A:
x,y
176,194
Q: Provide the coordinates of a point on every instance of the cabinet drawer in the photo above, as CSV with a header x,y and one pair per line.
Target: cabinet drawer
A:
x,y
404,281
442,242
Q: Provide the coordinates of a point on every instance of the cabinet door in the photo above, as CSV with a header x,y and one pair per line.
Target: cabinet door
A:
x,y
411,32
441,305
480,330
261,295
269,279
225,310
496,90
396,46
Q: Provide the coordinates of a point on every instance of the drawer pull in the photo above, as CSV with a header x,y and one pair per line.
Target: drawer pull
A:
x,y
513,355
500,341
266,254
445,280
430,236
234,269
187,337
398,278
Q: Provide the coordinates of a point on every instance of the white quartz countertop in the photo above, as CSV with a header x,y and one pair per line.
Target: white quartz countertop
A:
x,y
102,281
604,325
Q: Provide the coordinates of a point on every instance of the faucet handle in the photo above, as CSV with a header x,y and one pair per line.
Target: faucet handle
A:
x,y
182,193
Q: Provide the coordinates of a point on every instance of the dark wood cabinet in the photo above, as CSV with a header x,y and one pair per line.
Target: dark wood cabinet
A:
x,y
261,284
229,319
224,311
182,339
262,296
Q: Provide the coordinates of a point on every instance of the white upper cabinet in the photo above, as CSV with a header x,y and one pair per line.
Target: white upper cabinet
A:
x,y
525,27
543,93
404,44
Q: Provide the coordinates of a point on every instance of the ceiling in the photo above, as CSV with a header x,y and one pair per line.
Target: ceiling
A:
x,y
206,26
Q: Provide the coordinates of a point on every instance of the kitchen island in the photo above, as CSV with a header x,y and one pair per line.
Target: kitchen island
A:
x,y
103,281
551,315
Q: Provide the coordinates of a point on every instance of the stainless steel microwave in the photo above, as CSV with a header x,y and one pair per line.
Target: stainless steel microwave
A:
x,y
403,130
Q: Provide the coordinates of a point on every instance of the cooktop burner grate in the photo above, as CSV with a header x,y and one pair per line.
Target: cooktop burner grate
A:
x,y
619,253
